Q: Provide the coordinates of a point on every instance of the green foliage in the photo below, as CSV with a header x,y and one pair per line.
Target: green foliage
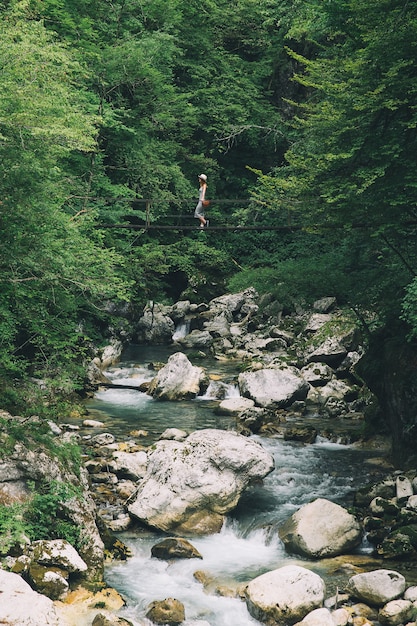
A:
x,y
53,268
46,514
35,433
350,173
13,526
192,262
409,308
43,516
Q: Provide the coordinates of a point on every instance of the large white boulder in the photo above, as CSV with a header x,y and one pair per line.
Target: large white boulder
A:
x,y
285,595
320,529
178,379
21,606
377,587
273,387
190,485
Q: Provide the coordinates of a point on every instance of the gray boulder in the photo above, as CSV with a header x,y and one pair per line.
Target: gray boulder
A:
x,y
175,548
234,406
189,486
178,379
273,387
377,587
197,339
155,326
324,304
396,612
331,351
49,581
317,374
57,552
219,326
131,465
20,605
239,305
285,595
320,529
111,353
316,321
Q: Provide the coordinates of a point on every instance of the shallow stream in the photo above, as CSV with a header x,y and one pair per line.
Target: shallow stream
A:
x,y
248,544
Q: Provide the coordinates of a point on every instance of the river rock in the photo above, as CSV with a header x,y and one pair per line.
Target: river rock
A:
x,y
196,340
109,620
94,372
191,485
168,611
316,321
180,310
273,388
317,374
377,587
20,605
155,326
178,379
51,582
411,594
239,305
331,351
111,353
324,305
129,465
174,433
381,507
404,489
336,389
340,617
412,503
175,548
396,612
234,406
219,325
318,617
320,529
285,595
399,544
57,552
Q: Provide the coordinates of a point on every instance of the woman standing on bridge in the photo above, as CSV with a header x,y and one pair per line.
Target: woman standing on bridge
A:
x,y
199,210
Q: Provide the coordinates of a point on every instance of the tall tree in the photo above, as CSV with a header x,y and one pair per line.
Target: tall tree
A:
x,y
52,271
351,169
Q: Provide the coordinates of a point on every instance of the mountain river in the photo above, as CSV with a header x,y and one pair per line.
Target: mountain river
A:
x,y
248,544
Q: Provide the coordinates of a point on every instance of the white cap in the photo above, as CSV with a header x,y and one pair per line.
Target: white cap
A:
x,y
203,177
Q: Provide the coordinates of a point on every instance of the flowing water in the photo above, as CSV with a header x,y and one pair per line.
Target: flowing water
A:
x,y
248,544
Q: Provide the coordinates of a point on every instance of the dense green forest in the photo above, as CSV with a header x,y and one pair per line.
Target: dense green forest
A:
x,y
302,113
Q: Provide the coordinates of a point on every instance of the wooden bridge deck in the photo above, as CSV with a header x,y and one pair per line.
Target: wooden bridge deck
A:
x,y
216,228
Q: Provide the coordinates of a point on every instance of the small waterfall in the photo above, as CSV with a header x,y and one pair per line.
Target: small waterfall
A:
x,y
227,558
182,329
218,390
